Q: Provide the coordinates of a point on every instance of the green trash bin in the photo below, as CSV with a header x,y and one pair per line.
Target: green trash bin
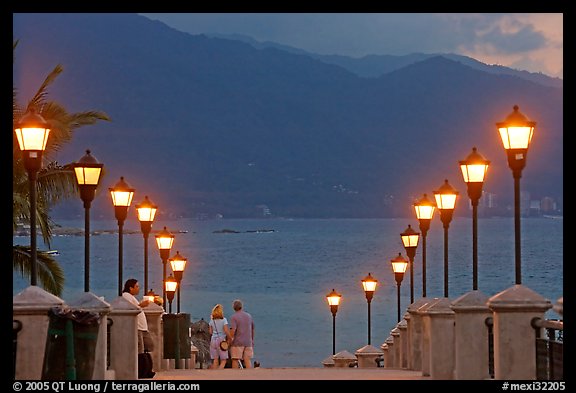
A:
x,y
71,344
176,336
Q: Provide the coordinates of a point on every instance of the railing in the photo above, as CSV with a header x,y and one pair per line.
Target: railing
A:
x,y
16,327
549,349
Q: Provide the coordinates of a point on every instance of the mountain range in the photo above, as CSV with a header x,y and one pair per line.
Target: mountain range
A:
x,y
212,126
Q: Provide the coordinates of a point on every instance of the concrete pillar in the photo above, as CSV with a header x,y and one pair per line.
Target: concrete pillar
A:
x,y
395,333
415,334
402,326
31,307
514,338
386,353
153,314
390,344
124,338
368,356
408,318
92,303
441,319
471,336
425,335
343,359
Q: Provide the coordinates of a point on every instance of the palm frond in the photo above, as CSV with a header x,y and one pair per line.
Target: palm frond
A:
x,y
49,273
40,97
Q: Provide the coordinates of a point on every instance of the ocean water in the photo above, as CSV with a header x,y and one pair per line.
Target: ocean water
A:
x,y
284,275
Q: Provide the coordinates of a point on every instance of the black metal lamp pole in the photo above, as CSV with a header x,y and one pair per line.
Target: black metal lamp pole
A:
x,y
424,209
164,240
88,171
446,200
474,169
122,195
410,241
178,263
146,212
333,301
399,265
369,286
32,133
516,133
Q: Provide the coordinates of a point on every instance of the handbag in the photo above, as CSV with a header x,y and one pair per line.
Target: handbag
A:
x,y
223,344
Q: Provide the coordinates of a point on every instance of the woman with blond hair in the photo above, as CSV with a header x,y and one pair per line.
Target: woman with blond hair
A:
x,y
219,332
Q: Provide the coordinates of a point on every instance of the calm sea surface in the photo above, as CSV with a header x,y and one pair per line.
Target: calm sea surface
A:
x,y
283,276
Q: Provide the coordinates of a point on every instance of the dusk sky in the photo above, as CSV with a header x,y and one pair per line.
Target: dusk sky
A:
x,y
530,41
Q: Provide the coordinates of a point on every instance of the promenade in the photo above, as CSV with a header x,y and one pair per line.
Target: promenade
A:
x,y
291,373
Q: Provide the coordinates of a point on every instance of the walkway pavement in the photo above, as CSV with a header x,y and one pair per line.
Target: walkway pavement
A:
x,y
308,373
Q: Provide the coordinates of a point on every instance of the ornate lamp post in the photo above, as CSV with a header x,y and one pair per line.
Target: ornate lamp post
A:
x,y
146,211
474,169
369,285
446,201
516,133
333,301
410,241
170,288
164,240
122,195
88,172
424,209
32,133
178,263
399,265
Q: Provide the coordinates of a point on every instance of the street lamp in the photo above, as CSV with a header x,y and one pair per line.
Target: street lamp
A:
x,y
410,241
88,172
32,132
122,195
178,263
369,286
333,301
399,265
445,201
146,211
424,209
474,169
170,288
151,296
516,133
164,240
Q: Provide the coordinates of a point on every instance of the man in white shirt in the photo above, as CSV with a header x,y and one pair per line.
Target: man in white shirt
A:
x,y
131,289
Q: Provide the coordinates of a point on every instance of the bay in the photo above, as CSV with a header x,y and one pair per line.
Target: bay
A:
x,y
283,268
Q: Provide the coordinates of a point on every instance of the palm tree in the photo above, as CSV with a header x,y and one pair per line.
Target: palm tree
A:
x,y
54,183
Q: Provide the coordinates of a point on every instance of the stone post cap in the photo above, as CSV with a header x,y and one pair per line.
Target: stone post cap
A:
x,y
390,341
328,362
440,307
423,309
402,324
122,306
153,308
89,301
395,332
343,355
35,298
417,304
368,350
519,298
473,301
